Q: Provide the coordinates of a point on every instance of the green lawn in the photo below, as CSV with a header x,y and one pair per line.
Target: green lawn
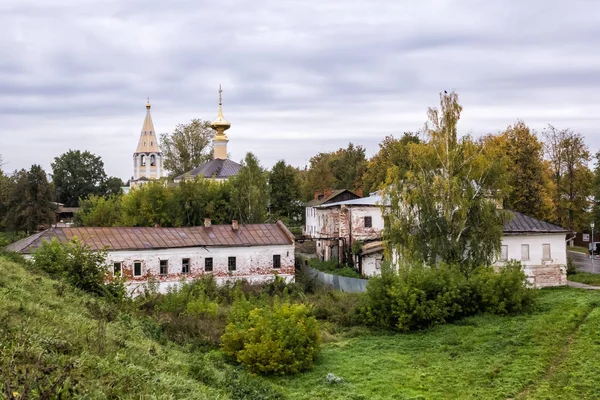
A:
x,y
578,249
585,277
550,354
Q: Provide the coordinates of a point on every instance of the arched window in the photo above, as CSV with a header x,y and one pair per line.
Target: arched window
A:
x,y
152,160
143,160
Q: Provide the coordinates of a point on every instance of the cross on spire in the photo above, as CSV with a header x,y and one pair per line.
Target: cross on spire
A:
x,y
220,97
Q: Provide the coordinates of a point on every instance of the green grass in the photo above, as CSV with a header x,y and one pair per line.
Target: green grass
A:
x,y
332,267
549,354
46,327
585,277
578,249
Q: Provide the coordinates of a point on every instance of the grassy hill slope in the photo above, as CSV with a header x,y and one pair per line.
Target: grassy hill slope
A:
x,y
55,342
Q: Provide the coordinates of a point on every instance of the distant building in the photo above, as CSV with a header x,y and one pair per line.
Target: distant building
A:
x,y
337,226
220,168
147,159
253,252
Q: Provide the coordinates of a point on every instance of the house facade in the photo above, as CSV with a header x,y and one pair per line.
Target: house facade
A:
x,y
254,252
540,246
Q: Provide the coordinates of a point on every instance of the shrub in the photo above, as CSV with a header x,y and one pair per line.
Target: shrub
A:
x,y
280,339
571,267
77,264
419,297
332,267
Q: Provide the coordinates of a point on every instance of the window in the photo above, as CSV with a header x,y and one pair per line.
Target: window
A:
x,y
152,158
524,252
504,253
546,252
231,263
276,261
137,268
117,269
368,222
208,264
164,267
185,266
143,160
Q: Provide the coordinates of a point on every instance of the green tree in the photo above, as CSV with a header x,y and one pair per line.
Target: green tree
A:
x,y
6,187
188,146
528,175
392,153
30,205
113,186
100,211
348,167
250,192
284,186
568,156
76,175
440,210
150,204
596,191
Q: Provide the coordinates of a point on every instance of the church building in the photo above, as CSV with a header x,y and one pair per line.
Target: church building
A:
x,y
147,159
220,168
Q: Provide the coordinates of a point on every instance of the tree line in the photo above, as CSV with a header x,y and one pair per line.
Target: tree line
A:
x,y
547,176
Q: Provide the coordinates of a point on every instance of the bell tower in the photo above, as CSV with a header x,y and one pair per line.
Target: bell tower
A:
x,y
147,159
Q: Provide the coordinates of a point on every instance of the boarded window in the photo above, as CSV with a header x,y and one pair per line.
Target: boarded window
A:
x,y
208,264
185,266
137,268
117,269
368,222
504,253
546,252
164,267
524,252
231,263
276,261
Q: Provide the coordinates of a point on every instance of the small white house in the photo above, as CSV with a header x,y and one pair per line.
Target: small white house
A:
x,y
254,252
540,246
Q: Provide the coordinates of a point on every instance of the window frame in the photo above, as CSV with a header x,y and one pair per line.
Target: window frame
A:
x,y
185,266
503,253
523,246
549,258
206,266
231,266
160,267
135,263
370,221
120,264
276,261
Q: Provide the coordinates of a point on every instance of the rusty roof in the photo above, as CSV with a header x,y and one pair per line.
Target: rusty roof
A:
x,y
133,238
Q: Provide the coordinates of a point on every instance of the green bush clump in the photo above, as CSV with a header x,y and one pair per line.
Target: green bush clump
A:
x,y
419,297
78,265
332,267
281,338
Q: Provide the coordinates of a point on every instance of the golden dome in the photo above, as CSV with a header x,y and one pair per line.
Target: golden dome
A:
x,y
220,124
148,104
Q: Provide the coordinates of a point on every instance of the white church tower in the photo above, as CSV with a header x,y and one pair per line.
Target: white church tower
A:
x,y
147,159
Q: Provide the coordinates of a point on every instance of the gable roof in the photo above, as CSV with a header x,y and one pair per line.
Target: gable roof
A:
x,y
217,168
130,238
375,200
521,223
330,198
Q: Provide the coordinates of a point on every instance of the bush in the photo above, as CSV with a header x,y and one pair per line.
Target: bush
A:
x,y
420,297
571,267
77,264
280,339
332,267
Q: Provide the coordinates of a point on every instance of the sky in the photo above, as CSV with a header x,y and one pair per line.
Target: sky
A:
x,y
299,77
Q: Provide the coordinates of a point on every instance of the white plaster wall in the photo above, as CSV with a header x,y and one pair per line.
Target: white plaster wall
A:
x,y
558,248
371,264
311,222
358,214
254,264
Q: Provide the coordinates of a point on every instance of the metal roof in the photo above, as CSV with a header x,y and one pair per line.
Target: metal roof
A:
x,y
334,194
521,223
375,200
217,168
131,238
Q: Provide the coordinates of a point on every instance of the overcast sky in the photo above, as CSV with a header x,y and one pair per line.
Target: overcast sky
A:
x,y
298,77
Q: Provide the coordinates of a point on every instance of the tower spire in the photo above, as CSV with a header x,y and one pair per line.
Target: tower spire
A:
x,y
220,125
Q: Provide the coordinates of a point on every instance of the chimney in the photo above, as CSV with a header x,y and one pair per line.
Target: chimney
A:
x,y
207,222
234,225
